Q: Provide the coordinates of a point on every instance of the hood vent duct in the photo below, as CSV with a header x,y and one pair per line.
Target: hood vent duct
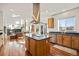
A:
x,y
36,13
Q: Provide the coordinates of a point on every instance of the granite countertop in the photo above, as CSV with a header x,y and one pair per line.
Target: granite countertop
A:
x,y
64,33
41,37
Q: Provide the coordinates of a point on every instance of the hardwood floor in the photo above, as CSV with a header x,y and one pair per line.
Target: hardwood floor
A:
x,y
13,48
57,52
17,48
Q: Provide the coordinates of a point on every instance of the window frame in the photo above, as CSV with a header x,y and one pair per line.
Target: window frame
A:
x,y
66,23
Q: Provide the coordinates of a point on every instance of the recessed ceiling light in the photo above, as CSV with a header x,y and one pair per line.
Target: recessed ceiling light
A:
x,y
46,11
14,15
63,10
11,10
17,22
26,20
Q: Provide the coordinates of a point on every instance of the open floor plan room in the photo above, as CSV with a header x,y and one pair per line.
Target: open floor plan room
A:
x,y
39,29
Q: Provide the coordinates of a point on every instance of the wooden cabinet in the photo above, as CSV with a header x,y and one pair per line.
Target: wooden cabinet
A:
x,y
39,47
75,42
50,22
32,47
47,48
27,44
71,41
77,53
59,39
67,40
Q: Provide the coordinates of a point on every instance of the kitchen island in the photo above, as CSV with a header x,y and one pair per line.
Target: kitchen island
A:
x,y
38,45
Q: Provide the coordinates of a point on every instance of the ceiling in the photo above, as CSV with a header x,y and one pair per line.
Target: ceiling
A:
x,y
48,9
17,11
23,9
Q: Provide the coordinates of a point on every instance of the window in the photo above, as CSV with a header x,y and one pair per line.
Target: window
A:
x,y
67,24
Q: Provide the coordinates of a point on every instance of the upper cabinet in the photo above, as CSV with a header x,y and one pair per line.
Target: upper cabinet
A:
x,y
50,22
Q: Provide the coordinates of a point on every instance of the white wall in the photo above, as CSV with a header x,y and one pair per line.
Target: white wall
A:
x,y
74,12
1,20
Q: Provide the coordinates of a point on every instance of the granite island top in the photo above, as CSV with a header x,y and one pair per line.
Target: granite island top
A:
x,y
41,37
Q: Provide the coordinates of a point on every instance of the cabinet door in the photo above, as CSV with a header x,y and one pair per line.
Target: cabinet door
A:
x,y
40,48
59,39
75,42
47,47
32,47
67,40
27,43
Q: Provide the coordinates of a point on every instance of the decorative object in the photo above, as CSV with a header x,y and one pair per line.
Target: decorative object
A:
x,y
50,22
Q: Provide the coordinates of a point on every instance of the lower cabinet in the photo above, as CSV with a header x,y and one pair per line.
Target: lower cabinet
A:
x,y
32,47
67,41
75,42
59,39
71,41
39,47
27,44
